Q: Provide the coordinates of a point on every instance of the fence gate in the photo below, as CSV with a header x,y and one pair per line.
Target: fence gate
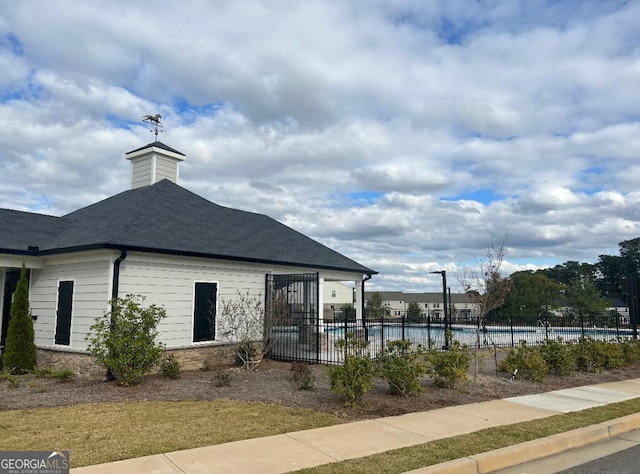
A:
x,y
292,320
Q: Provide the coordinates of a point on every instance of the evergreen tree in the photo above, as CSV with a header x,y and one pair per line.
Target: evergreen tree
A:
x,y
375,306
414,312
20,350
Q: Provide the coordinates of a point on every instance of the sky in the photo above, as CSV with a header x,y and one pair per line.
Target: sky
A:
x,y
407,135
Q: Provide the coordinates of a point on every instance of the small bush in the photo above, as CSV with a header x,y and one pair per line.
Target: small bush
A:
x,y
401,367
246,353
559,358
206,366
170,367
124,340
449,368
612,355
63,375
591,355
528,361
303,376
354,377
36,386
222,378
630,351
12,380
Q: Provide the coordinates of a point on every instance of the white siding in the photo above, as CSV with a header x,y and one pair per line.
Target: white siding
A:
x,y
169,282
166,168
141,172
90,298
343,294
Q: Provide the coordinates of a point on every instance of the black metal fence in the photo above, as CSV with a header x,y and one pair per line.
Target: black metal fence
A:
x,y
299,339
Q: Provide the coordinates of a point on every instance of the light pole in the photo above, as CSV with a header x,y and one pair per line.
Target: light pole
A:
x,y
444,301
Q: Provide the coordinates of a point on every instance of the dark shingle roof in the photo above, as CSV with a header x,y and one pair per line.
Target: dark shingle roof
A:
x,y
167,218
21,230
159,145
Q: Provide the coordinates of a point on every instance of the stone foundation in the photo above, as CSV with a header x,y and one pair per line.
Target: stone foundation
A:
x,y
87,367
82,364
194,358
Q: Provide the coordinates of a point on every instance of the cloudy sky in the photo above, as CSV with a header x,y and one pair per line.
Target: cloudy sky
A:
x,y
407,135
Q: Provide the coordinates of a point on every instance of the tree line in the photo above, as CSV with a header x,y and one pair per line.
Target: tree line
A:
x,y
585,288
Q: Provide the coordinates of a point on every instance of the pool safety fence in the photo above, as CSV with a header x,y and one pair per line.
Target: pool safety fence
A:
x,y
302,339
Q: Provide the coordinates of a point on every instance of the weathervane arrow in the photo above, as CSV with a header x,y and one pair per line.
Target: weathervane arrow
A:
x,y
154,121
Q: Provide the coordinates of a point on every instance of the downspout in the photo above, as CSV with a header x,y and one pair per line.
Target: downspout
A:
x,y
114,293
116,274
363,302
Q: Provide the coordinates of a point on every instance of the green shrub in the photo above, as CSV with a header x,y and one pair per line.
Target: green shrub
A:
x,y
63,375
353,378
170,367
124,340
402,367
559,358
19,356
222,378
528,362
206,366
592,356
12,380
630,351
449,368
303,376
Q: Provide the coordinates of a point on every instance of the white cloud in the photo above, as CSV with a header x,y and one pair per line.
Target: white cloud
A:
x,y
450,122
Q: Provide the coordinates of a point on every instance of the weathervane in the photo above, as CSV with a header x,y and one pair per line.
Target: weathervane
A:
x,y
154,121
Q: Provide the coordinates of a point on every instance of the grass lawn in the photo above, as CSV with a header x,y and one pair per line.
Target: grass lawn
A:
x,y
98,433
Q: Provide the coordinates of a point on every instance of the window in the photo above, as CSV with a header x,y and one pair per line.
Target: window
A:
x,y
436,305
333,293
63,314
204,311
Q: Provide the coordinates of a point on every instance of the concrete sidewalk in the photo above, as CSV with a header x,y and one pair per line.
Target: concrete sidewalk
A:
x,y
302,449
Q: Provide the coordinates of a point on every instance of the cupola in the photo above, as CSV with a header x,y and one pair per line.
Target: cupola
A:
x,y
152,163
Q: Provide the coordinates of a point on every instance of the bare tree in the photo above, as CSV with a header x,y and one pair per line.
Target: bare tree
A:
x,y
487,289
241,320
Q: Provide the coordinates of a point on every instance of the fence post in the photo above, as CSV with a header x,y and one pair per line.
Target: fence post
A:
x,y
545,321
429,331
582,325
346,328
381,333
617,325
402,321
511,328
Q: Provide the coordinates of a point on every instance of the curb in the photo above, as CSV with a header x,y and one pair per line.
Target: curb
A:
x,y
502,458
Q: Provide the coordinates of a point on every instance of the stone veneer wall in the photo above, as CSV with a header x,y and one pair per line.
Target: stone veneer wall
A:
x,y
82,364
86,366
194,358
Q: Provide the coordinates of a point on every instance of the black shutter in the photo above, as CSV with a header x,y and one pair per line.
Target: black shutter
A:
x,y
204,312
63,315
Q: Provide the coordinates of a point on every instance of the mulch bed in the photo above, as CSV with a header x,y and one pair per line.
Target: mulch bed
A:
x,y
272,382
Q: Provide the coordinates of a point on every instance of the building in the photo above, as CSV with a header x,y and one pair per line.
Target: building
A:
x,y
337,296
175,248
463,307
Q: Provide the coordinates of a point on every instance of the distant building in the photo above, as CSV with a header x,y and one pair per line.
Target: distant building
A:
x,y
337,294
463,308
